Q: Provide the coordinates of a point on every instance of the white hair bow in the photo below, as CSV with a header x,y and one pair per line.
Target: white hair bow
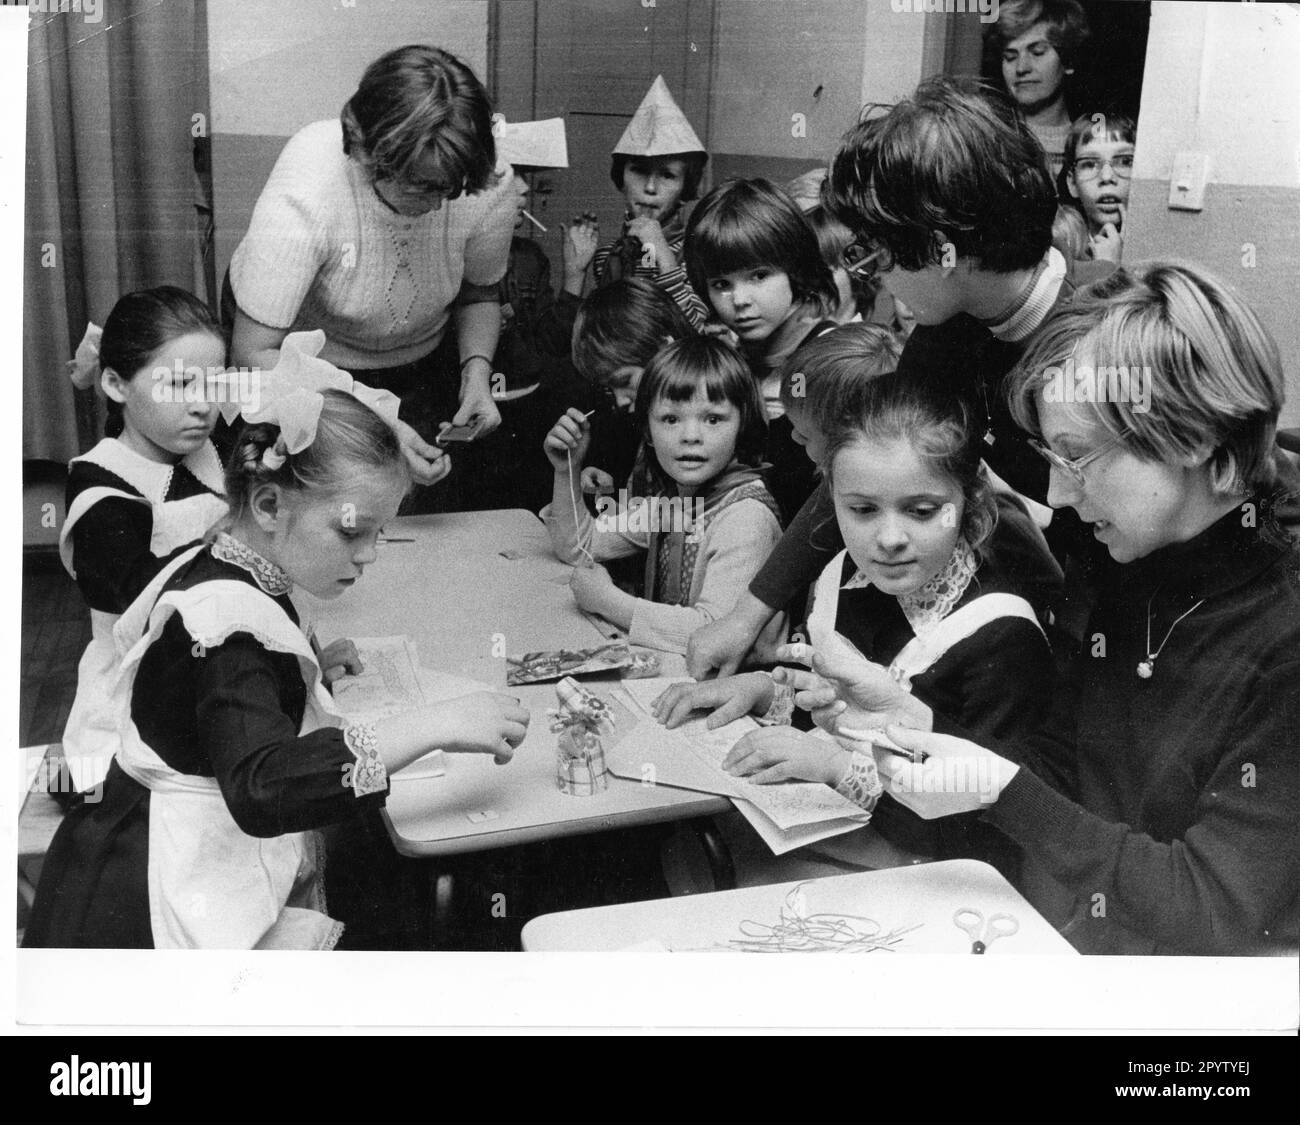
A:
x,y
83,367
290,396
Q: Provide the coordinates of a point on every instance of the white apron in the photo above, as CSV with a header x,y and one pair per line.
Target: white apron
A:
x,y
212,886
90,737
864,847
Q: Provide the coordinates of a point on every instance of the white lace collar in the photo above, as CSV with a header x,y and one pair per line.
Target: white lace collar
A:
x,y
269,577
926,607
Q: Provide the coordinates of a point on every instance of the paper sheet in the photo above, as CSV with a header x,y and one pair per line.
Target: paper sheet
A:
x,y
691,756
388,684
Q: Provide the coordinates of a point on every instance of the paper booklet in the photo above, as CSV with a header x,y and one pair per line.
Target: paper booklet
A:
x,y
392,681
786,816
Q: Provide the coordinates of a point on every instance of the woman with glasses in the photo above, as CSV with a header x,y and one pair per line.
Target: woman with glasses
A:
x,y
1156,808
390,230
1096,179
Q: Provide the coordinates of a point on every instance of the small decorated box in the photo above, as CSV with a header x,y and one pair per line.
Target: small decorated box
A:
x,y
579,721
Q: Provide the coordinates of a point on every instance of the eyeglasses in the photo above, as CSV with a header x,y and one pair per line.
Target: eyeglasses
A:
x,y
1074,468
860,262
1089,167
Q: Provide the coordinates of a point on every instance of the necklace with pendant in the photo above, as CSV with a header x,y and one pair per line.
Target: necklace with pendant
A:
x,y
1147,667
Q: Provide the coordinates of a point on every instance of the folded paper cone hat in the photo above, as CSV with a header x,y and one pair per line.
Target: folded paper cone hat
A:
x,y
658,128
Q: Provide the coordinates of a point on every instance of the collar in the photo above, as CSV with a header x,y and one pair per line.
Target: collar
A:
x,y
772,353
1227,554
269,577
152,479
1021,319
926,607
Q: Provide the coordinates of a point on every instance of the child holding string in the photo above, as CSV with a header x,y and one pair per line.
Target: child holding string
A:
x,y
708,521
148,490
914,592
231,753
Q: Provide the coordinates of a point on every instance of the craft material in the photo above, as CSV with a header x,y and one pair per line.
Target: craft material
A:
x,y
981,935
797,931
580,721
538,667
455,433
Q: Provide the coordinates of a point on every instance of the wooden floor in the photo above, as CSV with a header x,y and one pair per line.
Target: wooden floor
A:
x,y
55,632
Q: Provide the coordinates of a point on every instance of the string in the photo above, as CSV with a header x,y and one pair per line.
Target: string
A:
x,y
796,932
573,501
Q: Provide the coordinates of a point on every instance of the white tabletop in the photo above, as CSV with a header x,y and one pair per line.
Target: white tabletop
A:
x,y
899,897
472,587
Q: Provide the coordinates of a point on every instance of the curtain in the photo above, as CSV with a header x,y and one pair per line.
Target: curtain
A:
x,y
117,111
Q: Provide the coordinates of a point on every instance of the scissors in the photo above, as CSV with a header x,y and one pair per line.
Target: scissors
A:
x,y
972,921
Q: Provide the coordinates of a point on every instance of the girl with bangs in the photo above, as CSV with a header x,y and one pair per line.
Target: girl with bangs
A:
x,y
750,249
709,521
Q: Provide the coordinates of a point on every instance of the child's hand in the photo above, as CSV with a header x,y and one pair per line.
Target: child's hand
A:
x,y
845,689
567,442
1107,244
339,658
578,246
596,481
428,463
651,234
591,586
729,699
785,754
486,722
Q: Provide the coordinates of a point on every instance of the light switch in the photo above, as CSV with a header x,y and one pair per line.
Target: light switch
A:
x,y
1187,181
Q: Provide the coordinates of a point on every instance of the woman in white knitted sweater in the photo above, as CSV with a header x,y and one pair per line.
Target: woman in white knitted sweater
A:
x,y
389,230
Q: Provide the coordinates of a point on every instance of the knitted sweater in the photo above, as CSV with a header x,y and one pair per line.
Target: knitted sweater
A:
x,y
612,261
1158,815
324,251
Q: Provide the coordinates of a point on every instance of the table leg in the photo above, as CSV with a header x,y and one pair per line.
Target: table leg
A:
x,y
716,852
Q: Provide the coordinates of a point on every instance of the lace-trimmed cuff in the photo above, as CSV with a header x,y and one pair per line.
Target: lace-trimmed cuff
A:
x,y
862,784
781,708
369,775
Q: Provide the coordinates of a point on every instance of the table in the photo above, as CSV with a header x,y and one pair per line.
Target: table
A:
x,y
469,589
928,893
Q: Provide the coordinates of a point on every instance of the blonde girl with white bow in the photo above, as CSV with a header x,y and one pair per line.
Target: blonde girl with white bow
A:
x,y
231,753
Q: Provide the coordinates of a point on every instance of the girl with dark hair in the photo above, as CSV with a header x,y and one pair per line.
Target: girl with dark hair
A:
x,y
708,521
389,230
147,491
750,249
231,753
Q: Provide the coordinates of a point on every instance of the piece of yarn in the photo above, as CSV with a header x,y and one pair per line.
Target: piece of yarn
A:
x,y
797,932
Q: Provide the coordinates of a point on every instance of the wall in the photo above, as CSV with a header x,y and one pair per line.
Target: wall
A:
x,y
773,56
1221,79
274,69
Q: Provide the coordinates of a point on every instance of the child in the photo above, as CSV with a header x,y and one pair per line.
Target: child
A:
x,y
752,252
1097,177
657,164
708,522
148,490
230,751
618,330
912,592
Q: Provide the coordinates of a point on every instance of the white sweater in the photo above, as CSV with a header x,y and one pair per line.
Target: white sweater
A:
x,y
323,251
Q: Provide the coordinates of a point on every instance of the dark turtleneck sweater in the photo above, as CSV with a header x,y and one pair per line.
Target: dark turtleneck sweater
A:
x,y
1160,815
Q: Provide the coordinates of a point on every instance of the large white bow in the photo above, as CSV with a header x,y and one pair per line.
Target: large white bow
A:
x,y
290,395
83,367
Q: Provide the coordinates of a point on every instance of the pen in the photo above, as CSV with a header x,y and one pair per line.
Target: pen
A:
x,y
881,741
535,223
394,539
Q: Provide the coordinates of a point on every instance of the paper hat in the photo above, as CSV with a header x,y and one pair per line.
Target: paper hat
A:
x,y
658,128
806,190
535,144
